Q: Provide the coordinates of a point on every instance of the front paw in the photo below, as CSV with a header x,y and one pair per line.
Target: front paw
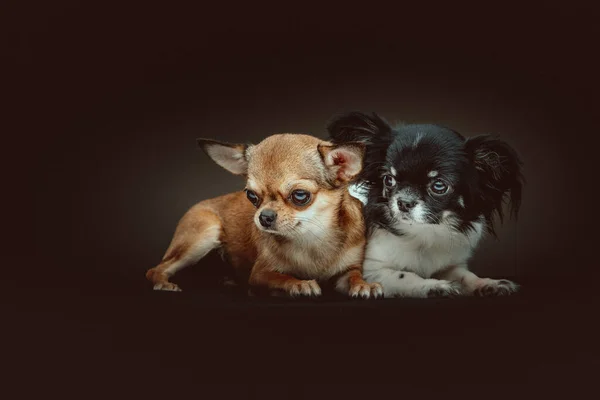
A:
x,y
303,288
493,287
444,289
366,290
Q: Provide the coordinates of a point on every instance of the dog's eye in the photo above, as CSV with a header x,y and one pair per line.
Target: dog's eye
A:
x,y
389,181
439,187
252,197
300,197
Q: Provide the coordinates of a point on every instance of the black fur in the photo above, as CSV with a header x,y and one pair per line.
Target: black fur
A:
x,y
483,170
371,129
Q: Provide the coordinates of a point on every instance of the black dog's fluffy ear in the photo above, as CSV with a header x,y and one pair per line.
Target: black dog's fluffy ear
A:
x,y
370,129
499,168
357,127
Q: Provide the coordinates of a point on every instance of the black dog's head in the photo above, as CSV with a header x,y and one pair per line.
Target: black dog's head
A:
x,y
428,174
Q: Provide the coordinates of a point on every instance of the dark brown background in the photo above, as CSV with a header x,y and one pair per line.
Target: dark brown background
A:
x,y
108,99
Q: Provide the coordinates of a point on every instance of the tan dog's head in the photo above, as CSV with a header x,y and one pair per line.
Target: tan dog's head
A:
x,y
295,181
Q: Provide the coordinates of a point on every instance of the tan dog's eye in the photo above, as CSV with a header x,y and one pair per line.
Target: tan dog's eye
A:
x,y
300,197
252,197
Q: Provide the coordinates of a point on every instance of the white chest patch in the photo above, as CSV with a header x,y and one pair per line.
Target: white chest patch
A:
x,y
424,249
358,192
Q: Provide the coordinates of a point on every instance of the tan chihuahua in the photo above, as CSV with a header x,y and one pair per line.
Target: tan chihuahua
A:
x,y
293,227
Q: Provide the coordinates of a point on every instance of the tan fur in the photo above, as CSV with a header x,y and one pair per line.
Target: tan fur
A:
x,y
320,241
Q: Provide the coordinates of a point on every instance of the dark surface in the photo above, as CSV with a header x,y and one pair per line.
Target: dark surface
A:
x,y
156,343
107,100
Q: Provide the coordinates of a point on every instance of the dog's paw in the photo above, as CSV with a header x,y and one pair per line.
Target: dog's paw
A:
x,y
366,291
444,289
304,288
167,286
493,287
376,291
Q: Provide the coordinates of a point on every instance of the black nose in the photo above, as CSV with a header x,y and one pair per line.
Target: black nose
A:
x,y
406,205
267,218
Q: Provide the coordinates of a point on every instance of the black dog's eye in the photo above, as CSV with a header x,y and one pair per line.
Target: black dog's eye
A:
x,y
300,197
389,181
439,187
252,197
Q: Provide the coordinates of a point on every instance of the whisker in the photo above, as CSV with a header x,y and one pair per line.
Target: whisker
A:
x,y
321,228
315,223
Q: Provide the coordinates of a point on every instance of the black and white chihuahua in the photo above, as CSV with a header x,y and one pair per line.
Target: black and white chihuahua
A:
x,y
429,195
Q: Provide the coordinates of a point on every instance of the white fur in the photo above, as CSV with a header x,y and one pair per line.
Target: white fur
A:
x,y
476,285
408,284
432,174
358,192
418,212
424,250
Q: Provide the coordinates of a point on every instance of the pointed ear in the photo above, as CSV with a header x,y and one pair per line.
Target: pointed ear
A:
x,y
499,168
232,157
357,127
344,162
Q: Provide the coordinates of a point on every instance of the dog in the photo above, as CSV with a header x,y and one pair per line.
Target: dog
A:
x,y
293,227
430,195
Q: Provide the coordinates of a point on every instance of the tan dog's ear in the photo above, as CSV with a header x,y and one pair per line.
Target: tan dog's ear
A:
x,y
232,157
344,161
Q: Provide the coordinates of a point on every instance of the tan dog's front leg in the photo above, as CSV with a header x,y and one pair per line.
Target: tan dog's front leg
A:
x,y
275,280
353,283
474,285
